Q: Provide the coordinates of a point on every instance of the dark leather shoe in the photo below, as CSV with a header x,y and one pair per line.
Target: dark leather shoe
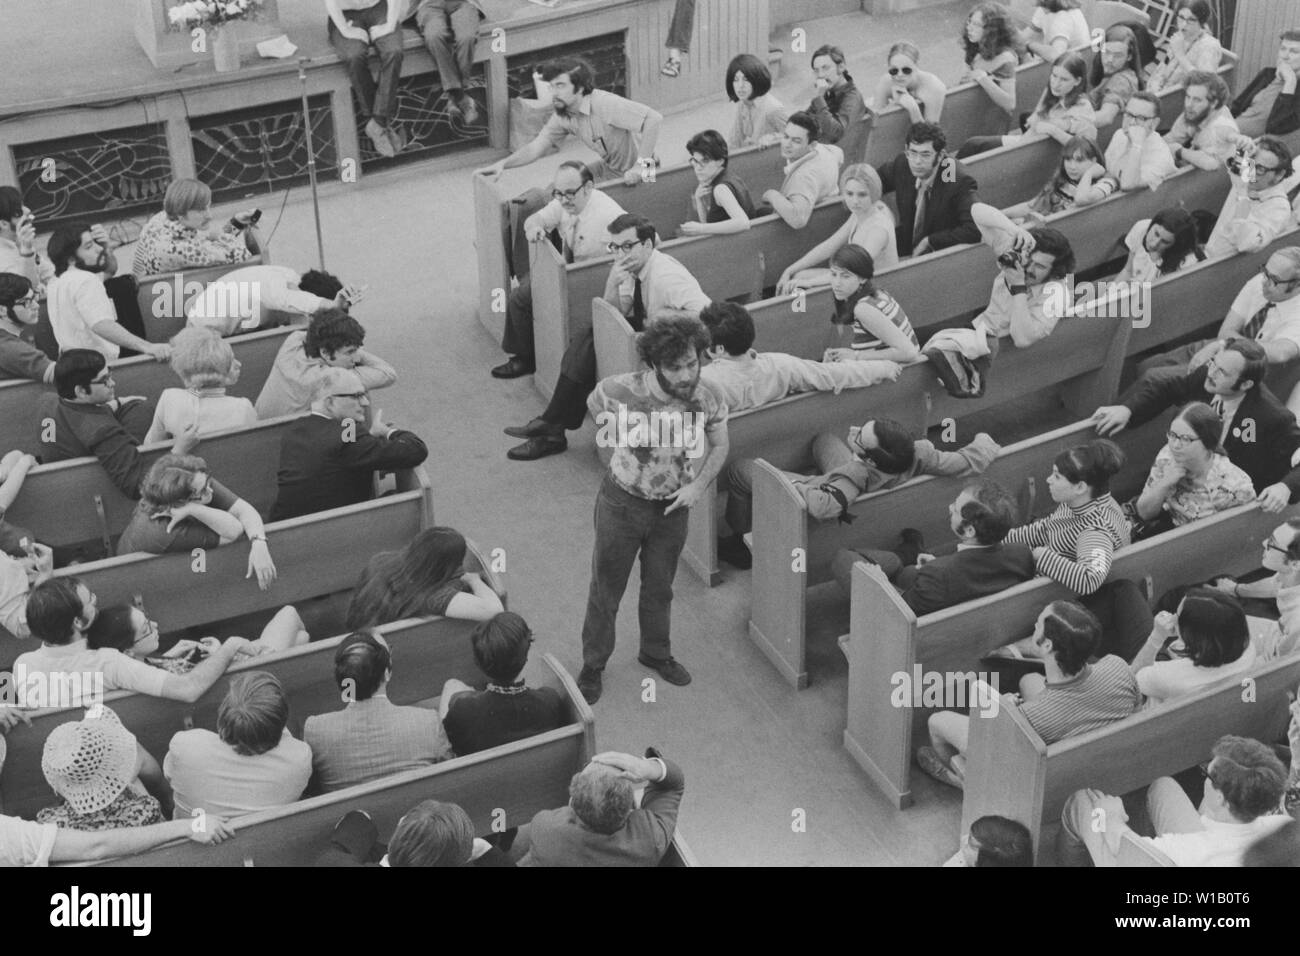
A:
x,y
534,428
513,368
589,685
668,669
733,551
538,447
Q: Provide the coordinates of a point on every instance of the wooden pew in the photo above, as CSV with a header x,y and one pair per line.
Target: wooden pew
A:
x,y
20,399
1011,772
163,309
519,779
886,638
783,529
422,648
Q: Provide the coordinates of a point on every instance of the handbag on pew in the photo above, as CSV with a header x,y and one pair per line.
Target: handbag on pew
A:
x,y
961,358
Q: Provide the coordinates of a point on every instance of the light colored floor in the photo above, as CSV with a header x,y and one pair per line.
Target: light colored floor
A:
x,y
755,752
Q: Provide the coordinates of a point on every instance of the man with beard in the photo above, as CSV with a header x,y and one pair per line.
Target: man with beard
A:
x,y
621,132
645,285
668,432
1205,134
81,313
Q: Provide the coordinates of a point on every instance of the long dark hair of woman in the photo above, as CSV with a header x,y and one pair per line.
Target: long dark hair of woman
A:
x,y
400,584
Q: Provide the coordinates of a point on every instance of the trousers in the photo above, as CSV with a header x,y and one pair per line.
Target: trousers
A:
x,y
378,103
450,28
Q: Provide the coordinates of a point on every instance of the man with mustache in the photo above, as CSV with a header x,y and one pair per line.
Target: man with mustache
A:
x,y
621,132
1205,134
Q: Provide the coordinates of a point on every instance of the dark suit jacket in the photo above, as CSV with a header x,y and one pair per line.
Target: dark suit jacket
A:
x,y
968,574
319,470
1261,439
559,838
1283,118
947,213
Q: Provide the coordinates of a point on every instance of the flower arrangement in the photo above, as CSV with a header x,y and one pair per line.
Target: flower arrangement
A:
x,y
213,13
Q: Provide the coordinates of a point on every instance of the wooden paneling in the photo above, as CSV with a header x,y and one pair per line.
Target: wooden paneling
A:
x,y
1255,32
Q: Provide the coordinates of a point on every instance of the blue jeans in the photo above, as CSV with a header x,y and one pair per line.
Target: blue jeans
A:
x,y
628,526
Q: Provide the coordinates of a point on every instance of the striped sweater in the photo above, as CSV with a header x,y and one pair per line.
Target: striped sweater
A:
x,y
1080,542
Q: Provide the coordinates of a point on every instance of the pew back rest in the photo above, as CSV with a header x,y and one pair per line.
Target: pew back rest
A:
x,y
519,779
164,298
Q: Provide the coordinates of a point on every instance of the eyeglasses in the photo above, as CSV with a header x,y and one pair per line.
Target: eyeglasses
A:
x,y
623,246
1271,545
29,300
1185,17
567,193
923,157
356,395
1266,169
1269,277
895,70
1136,118
697,163
1180,440
150,631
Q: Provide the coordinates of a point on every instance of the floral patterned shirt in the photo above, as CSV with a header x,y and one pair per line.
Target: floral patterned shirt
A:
x,y
1224,486
168,245
132,808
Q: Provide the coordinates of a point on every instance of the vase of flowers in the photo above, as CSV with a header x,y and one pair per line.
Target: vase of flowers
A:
x,y
217,18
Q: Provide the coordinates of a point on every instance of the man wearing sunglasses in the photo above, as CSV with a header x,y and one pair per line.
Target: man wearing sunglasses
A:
x,y
645,285
19,311
1257,209
86,417
577,220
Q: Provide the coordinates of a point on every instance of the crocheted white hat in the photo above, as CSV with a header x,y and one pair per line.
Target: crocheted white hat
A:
x,y
89,763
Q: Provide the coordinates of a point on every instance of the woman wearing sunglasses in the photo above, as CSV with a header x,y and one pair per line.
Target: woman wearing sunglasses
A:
x,y
906,84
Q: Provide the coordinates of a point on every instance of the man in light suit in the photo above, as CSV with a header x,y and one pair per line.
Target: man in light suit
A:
x,y
602,825
370,737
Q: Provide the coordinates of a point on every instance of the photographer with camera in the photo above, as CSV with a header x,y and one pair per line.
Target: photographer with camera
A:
x,y
1257,209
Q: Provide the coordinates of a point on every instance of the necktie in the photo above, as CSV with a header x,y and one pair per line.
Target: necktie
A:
x,y
570,240
1252,328
638,306
919,222
1216,403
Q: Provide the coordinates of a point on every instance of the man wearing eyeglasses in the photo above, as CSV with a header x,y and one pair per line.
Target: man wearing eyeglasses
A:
x,y
86,417
19,311
1137,158
1257,209
1281,555
578,217
934,193
645,285
1260,436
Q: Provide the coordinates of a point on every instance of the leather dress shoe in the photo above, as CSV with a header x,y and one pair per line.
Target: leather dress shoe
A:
x,y
534,428
538,447
589,685
513,368
668,669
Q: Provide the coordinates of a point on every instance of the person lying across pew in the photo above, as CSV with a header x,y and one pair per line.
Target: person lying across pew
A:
x,y
1244,791
1257,209
505,710
1079,180
1073,698
206,365
1259,435
182,507
332,339
994,841
128,629
19,311
878,454
86,417
1160,246
1137,156
427,578
812,171
1116,74
104,778
1281,548
870,225
251,763
934,193
371,737
604,823
266,296
430,834
721,201
1211,642
1205,134
982,564
23,843
749,379
1192,477
60,612
328,459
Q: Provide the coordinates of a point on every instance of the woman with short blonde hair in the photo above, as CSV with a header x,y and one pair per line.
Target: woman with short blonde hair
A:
x,y
206,365
182,237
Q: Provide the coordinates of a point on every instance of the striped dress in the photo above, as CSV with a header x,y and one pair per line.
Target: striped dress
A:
x,y
846,312
1081,542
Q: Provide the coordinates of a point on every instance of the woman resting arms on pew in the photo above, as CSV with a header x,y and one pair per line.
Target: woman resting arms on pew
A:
x,y
1160,246
1192,477
918,92
989,44
873,323
870,225
129,630
1116,74
760,116
427,578
1193,47
1213,643
206,364
1057,27
1079,180
721,201
182,507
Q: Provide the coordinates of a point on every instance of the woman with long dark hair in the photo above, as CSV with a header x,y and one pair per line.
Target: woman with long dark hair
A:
x,y
989,46
1193,47
879,326
1160,245
1116,73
